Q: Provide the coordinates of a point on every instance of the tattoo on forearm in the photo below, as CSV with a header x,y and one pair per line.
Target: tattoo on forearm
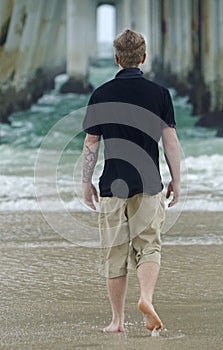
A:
x,y
89,161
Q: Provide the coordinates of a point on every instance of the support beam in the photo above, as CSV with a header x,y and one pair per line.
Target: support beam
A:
x,y
213,63
178,42
186,56
5,14
58,36
142,17
92,35
156,33
29,42
206,49
123,15
49,33
220,55
9,54
78,43
168,36
172,36
17,23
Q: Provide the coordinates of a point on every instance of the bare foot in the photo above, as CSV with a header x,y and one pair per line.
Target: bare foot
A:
x,y
114,328
152,319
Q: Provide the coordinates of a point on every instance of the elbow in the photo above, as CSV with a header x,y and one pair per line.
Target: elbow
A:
x,y
91,139
171,146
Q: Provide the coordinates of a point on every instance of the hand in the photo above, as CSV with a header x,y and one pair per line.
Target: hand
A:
x,y
175,188
89,193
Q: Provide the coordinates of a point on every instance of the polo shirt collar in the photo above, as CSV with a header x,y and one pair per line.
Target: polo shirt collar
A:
x,y
129,73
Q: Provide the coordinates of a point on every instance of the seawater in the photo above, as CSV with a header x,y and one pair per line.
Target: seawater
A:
x,y
21,141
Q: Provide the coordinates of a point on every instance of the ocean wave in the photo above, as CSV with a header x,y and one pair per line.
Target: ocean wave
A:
x,y
207,239
201,184
203,239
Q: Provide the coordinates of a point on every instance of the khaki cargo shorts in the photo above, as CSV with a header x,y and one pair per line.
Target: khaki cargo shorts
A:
x,y
130,232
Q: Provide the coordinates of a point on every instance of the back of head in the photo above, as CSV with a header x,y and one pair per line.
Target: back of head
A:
x,y
130,48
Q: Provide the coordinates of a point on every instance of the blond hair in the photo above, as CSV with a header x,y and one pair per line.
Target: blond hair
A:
x,y
130,48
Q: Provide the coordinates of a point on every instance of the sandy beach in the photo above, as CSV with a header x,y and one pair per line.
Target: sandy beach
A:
x,y
53,297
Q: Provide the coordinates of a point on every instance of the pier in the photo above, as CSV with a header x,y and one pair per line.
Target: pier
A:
x,y
40,39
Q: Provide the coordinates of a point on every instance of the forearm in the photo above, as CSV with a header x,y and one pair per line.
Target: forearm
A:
x,y
90,157
172,154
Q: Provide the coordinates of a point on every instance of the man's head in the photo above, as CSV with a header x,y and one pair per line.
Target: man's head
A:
x,y
130,49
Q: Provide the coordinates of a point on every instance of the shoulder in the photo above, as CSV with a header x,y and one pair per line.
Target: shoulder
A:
x,y
156,86
100,90
158,91
104,92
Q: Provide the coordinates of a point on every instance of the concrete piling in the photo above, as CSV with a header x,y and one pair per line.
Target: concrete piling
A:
x,y
79,24
184,40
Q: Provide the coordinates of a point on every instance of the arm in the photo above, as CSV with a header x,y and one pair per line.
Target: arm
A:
x,y
172,153
89,159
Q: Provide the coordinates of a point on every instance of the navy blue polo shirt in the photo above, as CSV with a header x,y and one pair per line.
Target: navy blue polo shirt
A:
x,y
129,112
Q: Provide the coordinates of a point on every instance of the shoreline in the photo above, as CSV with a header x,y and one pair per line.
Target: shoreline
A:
x,y
81,228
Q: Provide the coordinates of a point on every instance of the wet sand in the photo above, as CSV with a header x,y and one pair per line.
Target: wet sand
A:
x,y
52,296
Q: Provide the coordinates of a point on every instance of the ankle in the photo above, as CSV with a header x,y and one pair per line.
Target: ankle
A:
x,y
118,319
146,299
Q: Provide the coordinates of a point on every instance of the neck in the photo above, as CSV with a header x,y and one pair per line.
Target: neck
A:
x,y
139,66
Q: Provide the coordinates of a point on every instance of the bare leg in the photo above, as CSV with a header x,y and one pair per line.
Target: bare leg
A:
x,y
117,292
147,274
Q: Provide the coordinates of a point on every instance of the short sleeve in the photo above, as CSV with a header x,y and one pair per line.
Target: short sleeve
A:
x,y
90,125
168,112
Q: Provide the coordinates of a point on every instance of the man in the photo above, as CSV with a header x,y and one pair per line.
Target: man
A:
x,y
131,113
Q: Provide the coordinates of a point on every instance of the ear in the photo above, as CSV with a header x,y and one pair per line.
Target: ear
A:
x,y
144,58
116,59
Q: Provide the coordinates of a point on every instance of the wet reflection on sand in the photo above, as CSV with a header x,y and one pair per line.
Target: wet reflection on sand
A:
x,y
53,297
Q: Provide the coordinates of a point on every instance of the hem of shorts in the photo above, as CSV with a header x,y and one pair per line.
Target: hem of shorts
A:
x,y
121,273
151,258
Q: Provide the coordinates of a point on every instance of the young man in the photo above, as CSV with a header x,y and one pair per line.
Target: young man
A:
x,y
131,113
